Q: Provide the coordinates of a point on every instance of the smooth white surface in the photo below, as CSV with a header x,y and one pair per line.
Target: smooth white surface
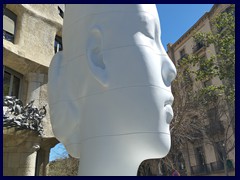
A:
x,y
109,90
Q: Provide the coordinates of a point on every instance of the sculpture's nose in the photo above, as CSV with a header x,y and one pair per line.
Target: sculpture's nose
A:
x,y
169,71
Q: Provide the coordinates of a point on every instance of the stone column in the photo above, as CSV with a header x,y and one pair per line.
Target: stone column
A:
x,y
43,156
42,162
35,81
19,152
28,163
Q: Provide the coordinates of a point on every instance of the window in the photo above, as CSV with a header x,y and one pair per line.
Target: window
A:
x,y
215,126
199,155
230,10
197,47
58,44
11,82
9,24
212,114
61,9
207,83
200,161
202,61
219,148
182,53
180,161
187,76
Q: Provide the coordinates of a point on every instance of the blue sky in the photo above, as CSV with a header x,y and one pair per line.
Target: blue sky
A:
x,y
57,152
175,20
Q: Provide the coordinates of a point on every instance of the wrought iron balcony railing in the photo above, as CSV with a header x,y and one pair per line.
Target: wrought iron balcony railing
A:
x,y
207,168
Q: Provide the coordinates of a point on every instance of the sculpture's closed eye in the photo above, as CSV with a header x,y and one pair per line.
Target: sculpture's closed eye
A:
x,y
147,27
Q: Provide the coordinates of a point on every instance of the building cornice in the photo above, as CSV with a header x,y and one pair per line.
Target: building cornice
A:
x,y
195,27
188,33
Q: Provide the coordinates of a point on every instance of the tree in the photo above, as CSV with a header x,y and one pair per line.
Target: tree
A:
x,y
218,131
64,167
217,97
222,65
185,126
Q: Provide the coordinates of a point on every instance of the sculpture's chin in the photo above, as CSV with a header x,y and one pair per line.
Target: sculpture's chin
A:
x,y
163,145
166,144
73,150
146,145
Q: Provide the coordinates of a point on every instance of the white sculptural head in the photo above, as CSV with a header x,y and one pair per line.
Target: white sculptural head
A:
x,y
109,90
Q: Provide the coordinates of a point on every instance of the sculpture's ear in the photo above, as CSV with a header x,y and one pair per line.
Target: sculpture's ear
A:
x,y
95,56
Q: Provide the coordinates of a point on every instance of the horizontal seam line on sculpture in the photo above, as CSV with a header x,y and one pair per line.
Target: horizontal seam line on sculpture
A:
x,y
125,134
94,14
74,58
114,90
135,45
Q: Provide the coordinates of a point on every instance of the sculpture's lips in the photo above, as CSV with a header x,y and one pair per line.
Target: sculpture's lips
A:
x,y
169,113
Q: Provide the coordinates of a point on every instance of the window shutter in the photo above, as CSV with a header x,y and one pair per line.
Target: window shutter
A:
x,y
8,24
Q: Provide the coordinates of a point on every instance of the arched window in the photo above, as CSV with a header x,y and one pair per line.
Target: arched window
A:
x,y
9,24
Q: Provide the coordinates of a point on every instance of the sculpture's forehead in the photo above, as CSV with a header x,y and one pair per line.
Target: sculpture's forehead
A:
x,y
81,10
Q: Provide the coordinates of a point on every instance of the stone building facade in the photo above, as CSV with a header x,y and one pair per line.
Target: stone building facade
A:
x,y
201,158
31,36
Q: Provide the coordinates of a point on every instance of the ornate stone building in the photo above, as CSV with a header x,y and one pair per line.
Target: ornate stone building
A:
x,y
31,36
202,158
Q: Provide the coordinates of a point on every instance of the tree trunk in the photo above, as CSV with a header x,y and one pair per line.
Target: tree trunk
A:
x,y
225,166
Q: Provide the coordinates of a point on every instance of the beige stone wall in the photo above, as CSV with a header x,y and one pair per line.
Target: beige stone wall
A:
x,y
30,55
32,50
19,152
36,28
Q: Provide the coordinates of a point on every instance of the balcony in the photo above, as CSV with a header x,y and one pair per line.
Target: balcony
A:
x,y
198,47
207,168
199,169
214,128
216,166
180,59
